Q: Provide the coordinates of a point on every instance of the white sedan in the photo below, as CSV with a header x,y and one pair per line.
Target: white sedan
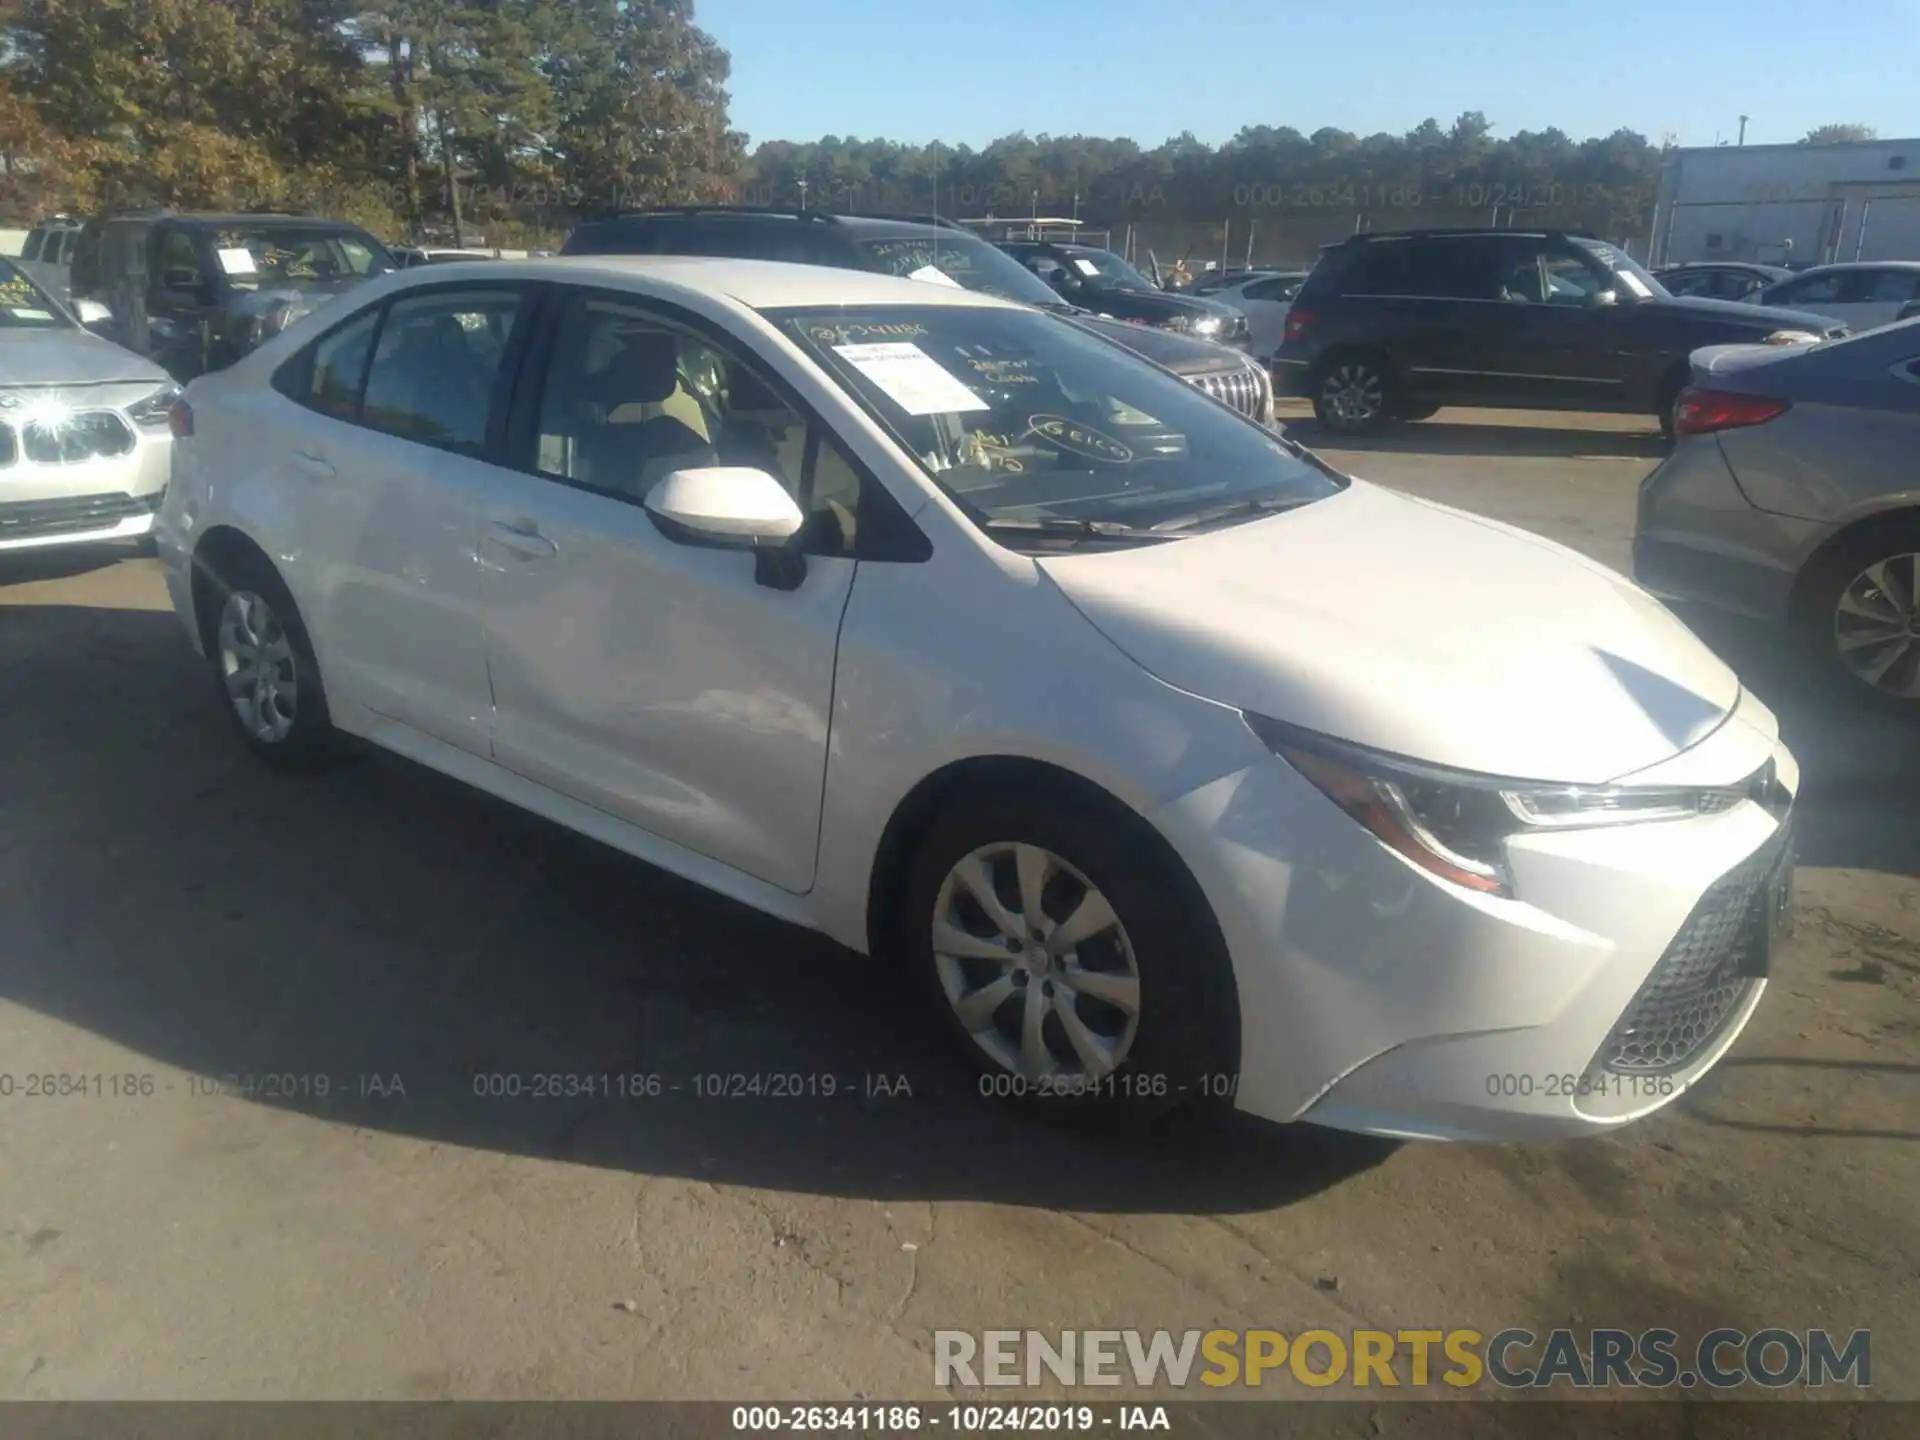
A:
x,y
84,437
1264,297
1172,763
1863,294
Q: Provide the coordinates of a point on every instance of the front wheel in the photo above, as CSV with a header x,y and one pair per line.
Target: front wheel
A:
x,y
1352,396
1059,955
264,670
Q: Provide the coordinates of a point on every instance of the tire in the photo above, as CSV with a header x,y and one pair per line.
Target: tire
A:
x,y
1669,400
1180,1041
1876,574
1354,394
1417,412
286,722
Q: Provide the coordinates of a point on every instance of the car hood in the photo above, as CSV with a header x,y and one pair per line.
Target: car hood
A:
x,y
1155,305
70,357
1416,629
1764,318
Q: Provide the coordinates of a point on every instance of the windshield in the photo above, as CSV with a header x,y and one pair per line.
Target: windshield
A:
x,y
24,305
1635,276
1020,418
286,257
1104,269
960,260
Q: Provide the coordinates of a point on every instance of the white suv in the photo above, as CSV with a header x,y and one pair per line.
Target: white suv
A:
x,y
1173,763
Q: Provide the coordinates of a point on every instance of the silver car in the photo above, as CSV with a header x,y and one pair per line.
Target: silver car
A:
x,y
1792,496
85,432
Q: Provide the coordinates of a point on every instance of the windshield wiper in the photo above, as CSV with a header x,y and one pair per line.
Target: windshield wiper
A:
x,y
1055,525
1248,509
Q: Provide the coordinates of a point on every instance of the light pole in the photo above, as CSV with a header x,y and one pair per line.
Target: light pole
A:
x,y
803,192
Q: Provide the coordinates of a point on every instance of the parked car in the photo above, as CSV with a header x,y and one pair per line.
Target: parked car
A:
x,y
47,254
916,617
1720,279
1791,498
405,257
921,248
1264,297
1100,281
84,437
1861,294
196,292
1395,325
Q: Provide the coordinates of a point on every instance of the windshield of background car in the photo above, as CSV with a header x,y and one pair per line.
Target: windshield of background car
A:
x,y
24,306
1107,269
1633,275
1019,417
959,260
285,257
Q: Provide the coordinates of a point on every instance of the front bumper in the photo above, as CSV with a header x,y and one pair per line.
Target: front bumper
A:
x,y
1377,998
100,499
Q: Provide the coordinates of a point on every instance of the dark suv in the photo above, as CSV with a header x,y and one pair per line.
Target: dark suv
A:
x,y
1393,326
922,248
1101,281
196,292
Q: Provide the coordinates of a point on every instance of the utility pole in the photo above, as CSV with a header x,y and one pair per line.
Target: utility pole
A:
x,y
803,192
1743,131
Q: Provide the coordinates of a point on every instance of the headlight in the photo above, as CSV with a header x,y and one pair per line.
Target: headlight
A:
x,y
1207,325
1793,337
1456,824
151,413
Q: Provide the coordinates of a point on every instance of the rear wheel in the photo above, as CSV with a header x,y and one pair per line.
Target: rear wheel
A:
x,y
264,670
1353,395
1063,959
1669,405
1860,617
1417,412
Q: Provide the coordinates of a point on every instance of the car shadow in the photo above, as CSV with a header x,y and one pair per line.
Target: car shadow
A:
x,y
64,562
1443,436
1859,805
384,948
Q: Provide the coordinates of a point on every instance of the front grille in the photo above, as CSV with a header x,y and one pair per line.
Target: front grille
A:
x,y
36,519
1239,388
89,435
1704,975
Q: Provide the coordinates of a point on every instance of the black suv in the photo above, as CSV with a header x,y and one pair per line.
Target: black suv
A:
x,y
919,247
1393,326
196,292
1101,281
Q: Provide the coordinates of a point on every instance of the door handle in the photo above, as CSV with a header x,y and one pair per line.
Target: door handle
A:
x,y
316,465
522,540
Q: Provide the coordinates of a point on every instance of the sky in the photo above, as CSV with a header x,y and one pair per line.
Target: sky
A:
x,y
966,71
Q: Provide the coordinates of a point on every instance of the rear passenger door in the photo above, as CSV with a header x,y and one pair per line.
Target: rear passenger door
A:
x,y
1426,303
407,403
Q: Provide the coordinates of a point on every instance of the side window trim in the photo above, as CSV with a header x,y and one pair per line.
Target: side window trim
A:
x,y
294,378
900,540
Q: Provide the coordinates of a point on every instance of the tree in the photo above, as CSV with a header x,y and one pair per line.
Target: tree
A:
x,y
1839,135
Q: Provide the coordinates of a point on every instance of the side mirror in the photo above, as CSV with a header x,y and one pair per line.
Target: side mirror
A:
x,y
92,314
1603,299
179,277
1909,311
734,507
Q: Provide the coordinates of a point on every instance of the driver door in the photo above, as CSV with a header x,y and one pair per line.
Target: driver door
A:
x,y
1552,342
650,678
182,297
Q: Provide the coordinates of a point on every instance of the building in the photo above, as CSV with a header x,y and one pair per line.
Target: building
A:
x,y
1810,204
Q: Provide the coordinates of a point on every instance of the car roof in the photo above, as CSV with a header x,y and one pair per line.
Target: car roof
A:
x,y
756,284
1904,265
866,226
254,222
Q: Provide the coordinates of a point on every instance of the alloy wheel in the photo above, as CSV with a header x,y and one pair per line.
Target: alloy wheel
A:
x,y
1876,626
1354,393
258,666
1036,964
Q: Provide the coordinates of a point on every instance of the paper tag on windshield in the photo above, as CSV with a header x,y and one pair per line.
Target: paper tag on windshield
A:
x,y
934,275
20,314
911,378
238,262
1086,267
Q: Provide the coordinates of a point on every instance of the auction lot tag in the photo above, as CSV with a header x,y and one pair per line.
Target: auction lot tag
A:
x,y
911,378
1086,267
238,262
